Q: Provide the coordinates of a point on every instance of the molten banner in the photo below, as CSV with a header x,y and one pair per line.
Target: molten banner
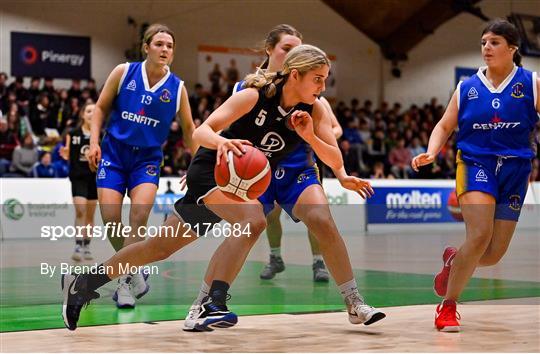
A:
x,y
62,57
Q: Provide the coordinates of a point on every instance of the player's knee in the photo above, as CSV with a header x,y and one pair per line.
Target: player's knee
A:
x,y
256,227
320,220
80,213
479,241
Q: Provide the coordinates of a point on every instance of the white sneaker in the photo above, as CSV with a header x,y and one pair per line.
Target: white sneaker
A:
x,y
139,286
192,316
360,312
122,296
87,254
77,253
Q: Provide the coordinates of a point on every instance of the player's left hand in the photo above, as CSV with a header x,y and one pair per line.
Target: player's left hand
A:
x,y
302,123
363,188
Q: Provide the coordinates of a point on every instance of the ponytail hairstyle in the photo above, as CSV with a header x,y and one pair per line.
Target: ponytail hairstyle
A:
x,y
302,58
509,32
273,38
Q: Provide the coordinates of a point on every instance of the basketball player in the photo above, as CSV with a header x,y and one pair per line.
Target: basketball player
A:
x,y
294,114
496,111
144,98
82,178
279,41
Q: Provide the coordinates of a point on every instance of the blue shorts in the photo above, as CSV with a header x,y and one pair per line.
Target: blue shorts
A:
x,y
123,167
505,178
286,186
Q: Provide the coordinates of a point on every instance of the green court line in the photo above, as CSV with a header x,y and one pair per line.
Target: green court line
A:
x,y
30,301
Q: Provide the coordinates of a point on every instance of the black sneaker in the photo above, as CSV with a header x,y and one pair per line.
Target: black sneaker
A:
x,y
275,265
320,274
211,314
76,295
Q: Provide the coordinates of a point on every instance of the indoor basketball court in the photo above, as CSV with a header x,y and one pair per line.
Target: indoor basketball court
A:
x,y
394,271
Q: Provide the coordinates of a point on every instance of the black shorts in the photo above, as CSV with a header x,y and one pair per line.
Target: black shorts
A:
x,y
84,186
200,182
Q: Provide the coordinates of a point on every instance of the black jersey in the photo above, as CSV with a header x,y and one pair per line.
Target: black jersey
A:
x,y
78,146
267,126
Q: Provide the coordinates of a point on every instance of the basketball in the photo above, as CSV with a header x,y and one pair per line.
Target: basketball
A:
x,y
453,206
243,178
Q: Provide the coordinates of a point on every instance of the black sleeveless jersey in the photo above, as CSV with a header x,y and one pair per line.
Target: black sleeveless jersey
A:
x,y
78,146
267,126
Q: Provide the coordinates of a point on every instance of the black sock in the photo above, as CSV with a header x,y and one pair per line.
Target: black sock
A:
x,y
86,241
218,291
99,279
79,242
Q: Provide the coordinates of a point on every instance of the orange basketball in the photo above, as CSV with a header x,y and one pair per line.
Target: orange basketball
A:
x,y
453,206
243,178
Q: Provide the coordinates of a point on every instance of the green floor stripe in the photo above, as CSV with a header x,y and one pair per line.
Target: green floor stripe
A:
x,y
30,301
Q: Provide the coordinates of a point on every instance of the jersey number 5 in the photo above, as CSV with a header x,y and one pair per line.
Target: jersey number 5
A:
x,y
261,118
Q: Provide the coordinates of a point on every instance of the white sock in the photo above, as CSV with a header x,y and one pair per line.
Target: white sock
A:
x,y
349,288
275,251
317,257
203,292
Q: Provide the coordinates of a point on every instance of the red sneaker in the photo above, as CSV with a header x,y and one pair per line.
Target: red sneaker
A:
x,y
440,283
446,318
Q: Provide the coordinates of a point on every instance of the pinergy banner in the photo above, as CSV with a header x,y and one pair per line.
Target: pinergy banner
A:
x,y
63,57
405,205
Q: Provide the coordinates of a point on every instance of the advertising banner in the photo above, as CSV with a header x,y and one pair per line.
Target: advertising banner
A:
x,y
413,205
42,55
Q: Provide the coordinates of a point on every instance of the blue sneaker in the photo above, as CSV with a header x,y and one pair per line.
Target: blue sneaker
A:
x,y
209,315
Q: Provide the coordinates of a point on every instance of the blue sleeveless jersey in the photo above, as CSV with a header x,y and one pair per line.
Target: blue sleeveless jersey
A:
x,y
300,158
142,115
497,121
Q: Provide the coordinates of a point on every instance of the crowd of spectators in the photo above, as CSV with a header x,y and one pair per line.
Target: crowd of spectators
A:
x,y
377,142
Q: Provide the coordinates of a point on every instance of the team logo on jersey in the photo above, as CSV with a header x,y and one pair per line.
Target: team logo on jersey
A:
x,y
495,124
517,90
151,170
84,150
481,176
301,178
472,94
132,85
280,173
272,142
514,202
140,118
165,96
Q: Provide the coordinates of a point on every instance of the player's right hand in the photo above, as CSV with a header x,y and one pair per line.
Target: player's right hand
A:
x,y
422,160
235,145
94,156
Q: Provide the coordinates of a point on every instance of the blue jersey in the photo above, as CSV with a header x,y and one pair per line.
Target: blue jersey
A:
x,y
142,115
300,158
497,122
